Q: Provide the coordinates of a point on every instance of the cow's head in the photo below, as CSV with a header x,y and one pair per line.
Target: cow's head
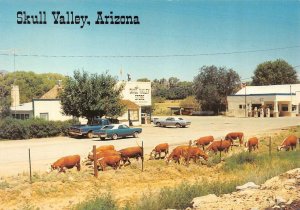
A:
x,y
152,155
279,148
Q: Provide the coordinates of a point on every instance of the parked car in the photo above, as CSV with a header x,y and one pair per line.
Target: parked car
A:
x,y
89,129
172,121
114,131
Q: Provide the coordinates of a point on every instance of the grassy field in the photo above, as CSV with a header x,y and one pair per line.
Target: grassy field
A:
x,y
160,186
161,109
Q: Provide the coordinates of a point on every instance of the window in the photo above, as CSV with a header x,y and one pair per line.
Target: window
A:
x,y
133,114
284,107
241,106
294,107
44,116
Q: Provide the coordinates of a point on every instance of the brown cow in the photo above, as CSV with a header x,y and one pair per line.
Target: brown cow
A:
x,y
194,153
131,152
103,154
235,135
252,143
105,147
158,150
112,161
177,153
222,145
288,142
66,162
203,141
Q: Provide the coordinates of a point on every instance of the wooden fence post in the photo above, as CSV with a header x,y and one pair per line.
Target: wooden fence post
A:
x,y
189,153
30,166
95,161
270,144
142,156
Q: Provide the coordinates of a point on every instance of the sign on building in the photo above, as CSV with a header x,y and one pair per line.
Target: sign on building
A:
x,y
138,92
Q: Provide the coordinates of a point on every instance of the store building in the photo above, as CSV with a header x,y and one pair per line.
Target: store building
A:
x,y
265,101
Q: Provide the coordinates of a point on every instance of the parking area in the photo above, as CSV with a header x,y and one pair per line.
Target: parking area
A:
x,y
14,154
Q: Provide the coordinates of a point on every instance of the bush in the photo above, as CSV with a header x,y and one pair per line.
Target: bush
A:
x,y
103,202
33,128
13,129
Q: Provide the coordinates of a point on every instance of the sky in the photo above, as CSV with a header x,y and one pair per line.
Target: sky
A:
x,y
174,38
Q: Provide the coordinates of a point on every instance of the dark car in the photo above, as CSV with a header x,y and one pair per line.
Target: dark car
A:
x,y
114,131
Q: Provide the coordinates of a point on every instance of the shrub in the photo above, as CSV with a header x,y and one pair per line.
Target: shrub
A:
x,y
13,129
103,202
33,128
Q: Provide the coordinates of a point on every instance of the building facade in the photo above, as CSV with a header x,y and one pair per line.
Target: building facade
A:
x,y
265,101
136,96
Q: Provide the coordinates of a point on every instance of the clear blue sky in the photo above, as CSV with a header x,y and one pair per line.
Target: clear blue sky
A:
x,y
171,27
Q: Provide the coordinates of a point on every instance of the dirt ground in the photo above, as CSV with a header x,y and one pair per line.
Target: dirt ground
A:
x,y
47,150
128,184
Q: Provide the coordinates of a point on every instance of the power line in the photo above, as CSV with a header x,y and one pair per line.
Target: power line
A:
x,y
149,56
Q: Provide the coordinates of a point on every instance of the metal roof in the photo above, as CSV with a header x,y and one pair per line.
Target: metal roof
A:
x,y
270,90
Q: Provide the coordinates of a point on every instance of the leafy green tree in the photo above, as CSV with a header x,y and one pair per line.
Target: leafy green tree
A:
x,y
4,102
92,95
31,85
212,86
190,102
274,73
143,80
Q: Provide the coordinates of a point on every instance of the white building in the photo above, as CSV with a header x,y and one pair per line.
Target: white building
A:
x,y
281,100
136,97
140,94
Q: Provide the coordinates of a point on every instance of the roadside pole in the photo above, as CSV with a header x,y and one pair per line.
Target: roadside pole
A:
x,y
30,166
142,156
270,144
189,152
95,162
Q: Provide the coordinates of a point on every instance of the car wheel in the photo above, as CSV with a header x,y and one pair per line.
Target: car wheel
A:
x,y
102,138
90,135
135,134
114,136
183,126
178,125
158,124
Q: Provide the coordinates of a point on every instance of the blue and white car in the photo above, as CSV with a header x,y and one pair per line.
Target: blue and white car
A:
x,y
114,131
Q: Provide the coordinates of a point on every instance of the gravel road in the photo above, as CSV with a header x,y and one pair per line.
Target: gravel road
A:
x,y
14,154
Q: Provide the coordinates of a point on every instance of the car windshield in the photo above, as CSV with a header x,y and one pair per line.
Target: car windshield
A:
x,y
180,118
108,127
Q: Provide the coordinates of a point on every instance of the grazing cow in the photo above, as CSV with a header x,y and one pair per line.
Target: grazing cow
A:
x,y
158,150
112,161
194,153
103,154
288,142
222,145
235,135
203,141
252,143
131,152
177,153
105,147
66,162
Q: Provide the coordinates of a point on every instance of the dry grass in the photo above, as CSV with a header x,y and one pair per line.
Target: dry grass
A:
x,y
129,184
161,109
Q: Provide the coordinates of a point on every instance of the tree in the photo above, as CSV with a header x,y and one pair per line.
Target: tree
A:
x,y
212,86
92,95
4,102
190,102
274,73
143,80
31,85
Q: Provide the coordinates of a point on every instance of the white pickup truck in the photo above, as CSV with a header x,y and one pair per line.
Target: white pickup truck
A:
x,y
171,121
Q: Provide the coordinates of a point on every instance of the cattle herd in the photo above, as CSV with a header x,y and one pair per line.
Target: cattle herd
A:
x,y
107,155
